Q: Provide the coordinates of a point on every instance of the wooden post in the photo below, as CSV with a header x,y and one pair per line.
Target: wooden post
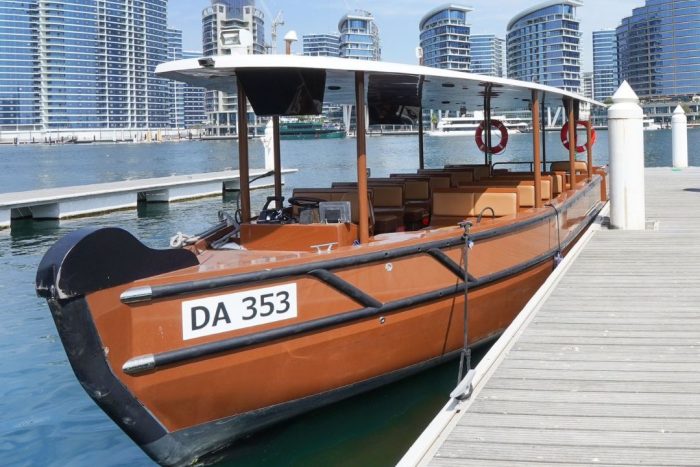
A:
x,y
537,164
278,161
572,145
589,148
243,168
421,159
362,196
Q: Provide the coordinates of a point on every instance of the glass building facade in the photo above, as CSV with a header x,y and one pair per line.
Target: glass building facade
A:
x,y
487,55
223,16
92,63
321,45
543,45
659,49
176,103
605,69
19,65
359,36
193,99
444,38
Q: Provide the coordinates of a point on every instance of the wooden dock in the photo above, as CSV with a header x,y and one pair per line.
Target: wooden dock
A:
x,y
64,202
603,365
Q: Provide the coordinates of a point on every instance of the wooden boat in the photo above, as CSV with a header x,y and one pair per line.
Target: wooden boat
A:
x,y
255,321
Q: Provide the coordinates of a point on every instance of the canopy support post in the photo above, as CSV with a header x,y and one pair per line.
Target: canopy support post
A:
x,y
278,161
543,126
572,145
421,158
487,125
362,196
589,147
537,165
243,167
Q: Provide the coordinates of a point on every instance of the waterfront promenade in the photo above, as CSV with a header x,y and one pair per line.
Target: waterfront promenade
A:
x,y
601,367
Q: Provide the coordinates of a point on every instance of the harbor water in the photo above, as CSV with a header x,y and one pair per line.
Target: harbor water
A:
x,y
47,418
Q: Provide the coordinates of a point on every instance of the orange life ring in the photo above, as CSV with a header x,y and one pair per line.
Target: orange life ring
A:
x,y
501,146
564,135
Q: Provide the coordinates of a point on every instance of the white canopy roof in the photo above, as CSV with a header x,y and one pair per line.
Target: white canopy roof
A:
x,y
434,88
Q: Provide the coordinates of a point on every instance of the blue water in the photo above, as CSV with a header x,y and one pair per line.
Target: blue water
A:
x,y
47,418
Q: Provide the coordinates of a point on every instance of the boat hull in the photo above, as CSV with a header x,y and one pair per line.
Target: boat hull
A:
x,y
198,395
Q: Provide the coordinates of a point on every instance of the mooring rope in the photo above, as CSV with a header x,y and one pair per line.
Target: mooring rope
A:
x,y
466,355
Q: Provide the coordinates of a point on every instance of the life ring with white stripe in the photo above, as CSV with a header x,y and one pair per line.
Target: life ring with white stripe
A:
x,y
564,135
501,146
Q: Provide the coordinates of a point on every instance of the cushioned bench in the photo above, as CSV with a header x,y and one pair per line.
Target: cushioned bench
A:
x,y
564,166
457,176
480,170
452,205
547,186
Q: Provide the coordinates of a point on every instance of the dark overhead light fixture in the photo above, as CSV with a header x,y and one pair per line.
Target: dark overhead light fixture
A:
x,y
334,88
445,102
448,85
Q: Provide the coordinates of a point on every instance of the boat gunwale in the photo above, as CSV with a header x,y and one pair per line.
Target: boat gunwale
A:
x,y
136,366
158,292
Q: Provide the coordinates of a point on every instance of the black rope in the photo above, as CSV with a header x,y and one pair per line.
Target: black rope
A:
x,y
466,354
558,257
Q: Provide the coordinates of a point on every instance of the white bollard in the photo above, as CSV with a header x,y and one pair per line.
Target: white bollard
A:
x,y
679,131
626,144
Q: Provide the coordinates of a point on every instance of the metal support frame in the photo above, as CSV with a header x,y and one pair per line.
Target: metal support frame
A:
x,y
278,161
572,145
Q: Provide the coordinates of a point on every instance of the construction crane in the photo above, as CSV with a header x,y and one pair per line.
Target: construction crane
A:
x,y
278,21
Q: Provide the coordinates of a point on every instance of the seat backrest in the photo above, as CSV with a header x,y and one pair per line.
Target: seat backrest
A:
x,y
480,170
417,190
564,166
457,175
388,195
504,201
449,202
470,201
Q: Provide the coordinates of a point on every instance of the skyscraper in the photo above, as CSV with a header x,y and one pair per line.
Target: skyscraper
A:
x,y
222,17
543,44
176,103
76,64
321,45
359,36
605,69
487,55
659,49
193,99
20,83
444,37
587,84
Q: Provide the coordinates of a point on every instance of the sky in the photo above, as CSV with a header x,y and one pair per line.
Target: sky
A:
x,y
397,20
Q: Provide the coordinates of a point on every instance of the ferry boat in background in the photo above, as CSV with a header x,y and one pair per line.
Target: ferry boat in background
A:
x,y
650,125
466,125
301,129
349,287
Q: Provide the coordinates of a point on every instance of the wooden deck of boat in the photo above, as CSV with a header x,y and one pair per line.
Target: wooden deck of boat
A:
x,y
603,367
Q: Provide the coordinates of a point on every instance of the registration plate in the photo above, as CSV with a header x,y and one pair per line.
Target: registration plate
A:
x,y
223,313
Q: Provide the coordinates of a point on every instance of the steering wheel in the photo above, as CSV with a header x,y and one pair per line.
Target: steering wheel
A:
x,y
305,201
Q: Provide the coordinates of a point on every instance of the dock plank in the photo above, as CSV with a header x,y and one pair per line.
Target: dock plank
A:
x,y
606,371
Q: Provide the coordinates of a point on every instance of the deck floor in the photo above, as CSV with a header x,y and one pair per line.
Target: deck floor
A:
x,y
607,371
